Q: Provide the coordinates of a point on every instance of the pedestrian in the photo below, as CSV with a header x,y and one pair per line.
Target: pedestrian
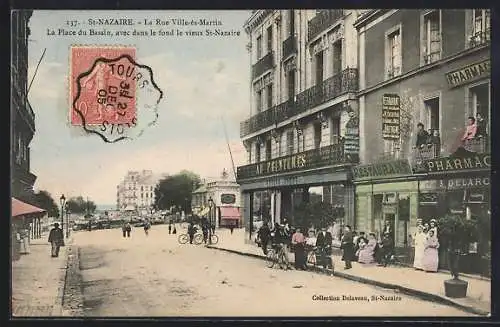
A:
x,y
169,228
147,226
347,246
420,239
367,252
175,230
430,259
191,232
128,228
264,235
387,249
231,228
124,229
324,245
56,238
298,241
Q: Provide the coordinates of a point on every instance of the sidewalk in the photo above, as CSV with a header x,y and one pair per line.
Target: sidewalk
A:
x,y
38,281
427,286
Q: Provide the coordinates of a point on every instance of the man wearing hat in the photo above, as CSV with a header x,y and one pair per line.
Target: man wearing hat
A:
x,y
56,238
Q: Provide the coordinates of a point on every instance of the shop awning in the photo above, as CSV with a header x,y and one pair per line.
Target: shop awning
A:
x,y
20,208
229,213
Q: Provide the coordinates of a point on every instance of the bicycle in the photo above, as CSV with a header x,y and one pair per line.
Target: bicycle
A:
x,y
311,255
277,255
199,239
184,238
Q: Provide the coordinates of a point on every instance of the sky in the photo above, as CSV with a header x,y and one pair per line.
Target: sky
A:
x,y
203,79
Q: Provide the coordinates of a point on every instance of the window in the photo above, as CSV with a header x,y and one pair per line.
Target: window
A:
x,y
337,57
289,143
257,152
481,26
291,85
394,53
432,37
291,21
317,136
270,38
479,102
319,68
142,188
258,101
335,130
268,149
432,113
147,195
389,149
142,195
259,47
269,96
151,195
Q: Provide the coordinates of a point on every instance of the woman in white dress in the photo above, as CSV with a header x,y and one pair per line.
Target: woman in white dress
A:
x,y
430,259
420,238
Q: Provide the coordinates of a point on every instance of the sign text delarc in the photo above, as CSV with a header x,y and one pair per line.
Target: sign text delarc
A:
x,y
383,169
469,73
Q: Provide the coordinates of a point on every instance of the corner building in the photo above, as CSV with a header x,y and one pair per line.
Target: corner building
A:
x,y
302,129
430,67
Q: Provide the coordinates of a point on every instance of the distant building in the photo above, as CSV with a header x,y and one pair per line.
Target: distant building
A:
x,y
136,191
225,194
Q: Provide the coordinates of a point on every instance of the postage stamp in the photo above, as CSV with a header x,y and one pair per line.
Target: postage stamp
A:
x,y
105,90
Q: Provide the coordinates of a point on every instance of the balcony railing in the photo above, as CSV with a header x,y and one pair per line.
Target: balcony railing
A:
x,y
344,82
289,46
265,63
316,158
479,39
323,20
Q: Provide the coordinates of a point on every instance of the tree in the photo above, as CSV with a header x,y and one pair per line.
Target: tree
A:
x,y
176,190
44,200
80,206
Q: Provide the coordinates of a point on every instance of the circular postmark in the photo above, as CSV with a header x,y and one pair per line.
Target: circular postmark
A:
x,y
116,98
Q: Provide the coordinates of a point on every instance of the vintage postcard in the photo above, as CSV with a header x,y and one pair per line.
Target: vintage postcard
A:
x,y
251,163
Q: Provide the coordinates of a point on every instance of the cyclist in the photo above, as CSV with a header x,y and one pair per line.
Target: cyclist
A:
x,y
280,240
191,232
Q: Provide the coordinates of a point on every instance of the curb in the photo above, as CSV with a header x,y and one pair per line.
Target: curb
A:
x,y
58,305
408,291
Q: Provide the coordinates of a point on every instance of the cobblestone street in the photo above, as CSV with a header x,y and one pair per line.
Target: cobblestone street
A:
x,y
155,276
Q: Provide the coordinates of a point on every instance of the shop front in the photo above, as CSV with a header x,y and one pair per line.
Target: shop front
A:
x,y
25,225
271,190
460,184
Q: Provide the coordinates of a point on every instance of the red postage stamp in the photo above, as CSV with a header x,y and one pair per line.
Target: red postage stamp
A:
x,y
103,84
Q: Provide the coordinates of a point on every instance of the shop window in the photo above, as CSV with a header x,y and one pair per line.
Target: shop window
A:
x,y
337,57
289,143
291,85
270,38
269,96
432,37
317,136
393,53
259,47
319,67
432,113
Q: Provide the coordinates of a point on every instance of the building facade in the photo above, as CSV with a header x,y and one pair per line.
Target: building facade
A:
x,y
226,196
23,117
136,191
430,67
303,126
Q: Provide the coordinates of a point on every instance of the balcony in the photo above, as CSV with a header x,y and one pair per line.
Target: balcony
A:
x,y
289,46
311,159
265,63
337,85
323,20
479,39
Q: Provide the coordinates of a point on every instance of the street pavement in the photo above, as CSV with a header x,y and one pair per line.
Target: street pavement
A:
x,y
155,276
38,281
429,285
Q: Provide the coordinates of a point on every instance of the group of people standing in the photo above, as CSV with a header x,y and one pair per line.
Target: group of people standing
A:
x,y
426,246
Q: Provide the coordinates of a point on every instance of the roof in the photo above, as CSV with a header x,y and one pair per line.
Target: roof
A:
x,y
201,189
20,208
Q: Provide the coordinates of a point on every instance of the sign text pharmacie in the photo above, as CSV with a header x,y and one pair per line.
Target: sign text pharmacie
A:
x,y
480,161
469,73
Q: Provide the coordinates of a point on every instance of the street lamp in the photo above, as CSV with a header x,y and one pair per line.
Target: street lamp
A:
x,y
66,207
210,205
62,200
